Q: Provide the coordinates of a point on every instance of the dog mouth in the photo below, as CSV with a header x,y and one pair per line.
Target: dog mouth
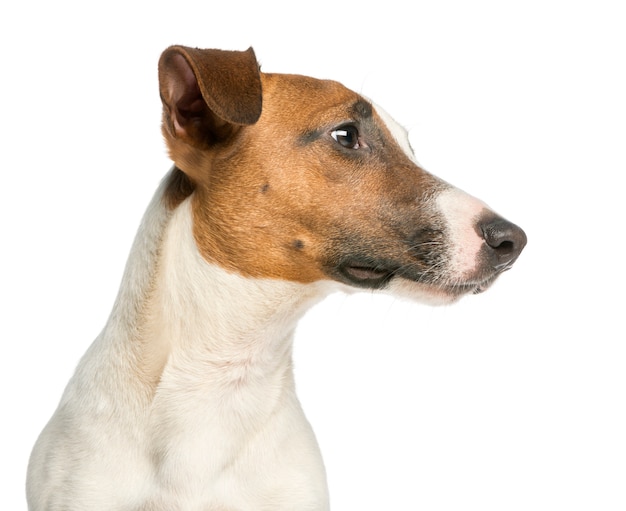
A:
x,y
473,288
372,276
479,286
378,275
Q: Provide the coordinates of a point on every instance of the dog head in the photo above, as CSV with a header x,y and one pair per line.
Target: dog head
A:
x,y
303,179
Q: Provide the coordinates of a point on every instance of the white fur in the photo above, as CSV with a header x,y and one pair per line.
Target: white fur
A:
x,y
461,212
224,406
399,132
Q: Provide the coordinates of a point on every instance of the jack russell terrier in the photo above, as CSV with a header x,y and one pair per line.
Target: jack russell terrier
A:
x,y
284,188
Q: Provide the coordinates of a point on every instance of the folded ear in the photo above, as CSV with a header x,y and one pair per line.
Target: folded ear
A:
x,y
207,94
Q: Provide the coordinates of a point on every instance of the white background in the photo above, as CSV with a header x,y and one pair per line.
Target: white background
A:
x,y
512,400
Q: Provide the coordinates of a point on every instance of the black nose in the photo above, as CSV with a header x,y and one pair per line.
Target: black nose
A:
x,y
505,240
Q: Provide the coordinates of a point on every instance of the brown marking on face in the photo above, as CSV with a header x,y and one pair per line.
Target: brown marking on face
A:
x,y
283,199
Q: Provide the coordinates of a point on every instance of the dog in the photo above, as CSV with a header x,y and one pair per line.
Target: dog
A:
x,y
284,188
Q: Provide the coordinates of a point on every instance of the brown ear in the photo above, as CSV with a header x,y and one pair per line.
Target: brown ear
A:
x,y
206,94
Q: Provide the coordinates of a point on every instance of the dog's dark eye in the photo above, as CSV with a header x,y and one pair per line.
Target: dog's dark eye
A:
x,y
347,136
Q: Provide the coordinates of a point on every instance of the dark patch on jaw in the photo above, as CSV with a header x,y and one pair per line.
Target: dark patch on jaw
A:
x,y
264,188
365,277
420,257
427,247
297,244
427,244
358,265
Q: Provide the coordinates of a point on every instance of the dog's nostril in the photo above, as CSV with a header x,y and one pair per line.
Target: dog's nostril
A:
x,y
504,247
505,239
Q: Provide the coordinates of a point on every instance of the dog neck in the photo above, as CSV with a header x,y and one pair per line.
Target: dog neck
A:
x,y
194,317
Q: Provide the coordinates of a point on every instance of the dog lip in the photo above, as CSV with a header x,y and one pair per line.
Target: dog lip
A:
x,y
363,275
364,272
376,275
482,286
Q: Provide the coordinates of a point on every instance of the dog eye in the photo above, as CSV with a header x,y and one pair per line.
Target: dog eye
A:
x,y
347,136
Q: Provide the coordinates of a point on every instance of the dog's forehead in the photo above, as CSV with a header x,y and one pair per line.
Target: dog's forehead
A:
x,y
303,98
308,107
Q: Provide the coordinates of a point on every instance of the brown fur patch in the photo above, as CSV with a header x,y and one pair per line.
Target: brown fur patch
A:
x,y
282,199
